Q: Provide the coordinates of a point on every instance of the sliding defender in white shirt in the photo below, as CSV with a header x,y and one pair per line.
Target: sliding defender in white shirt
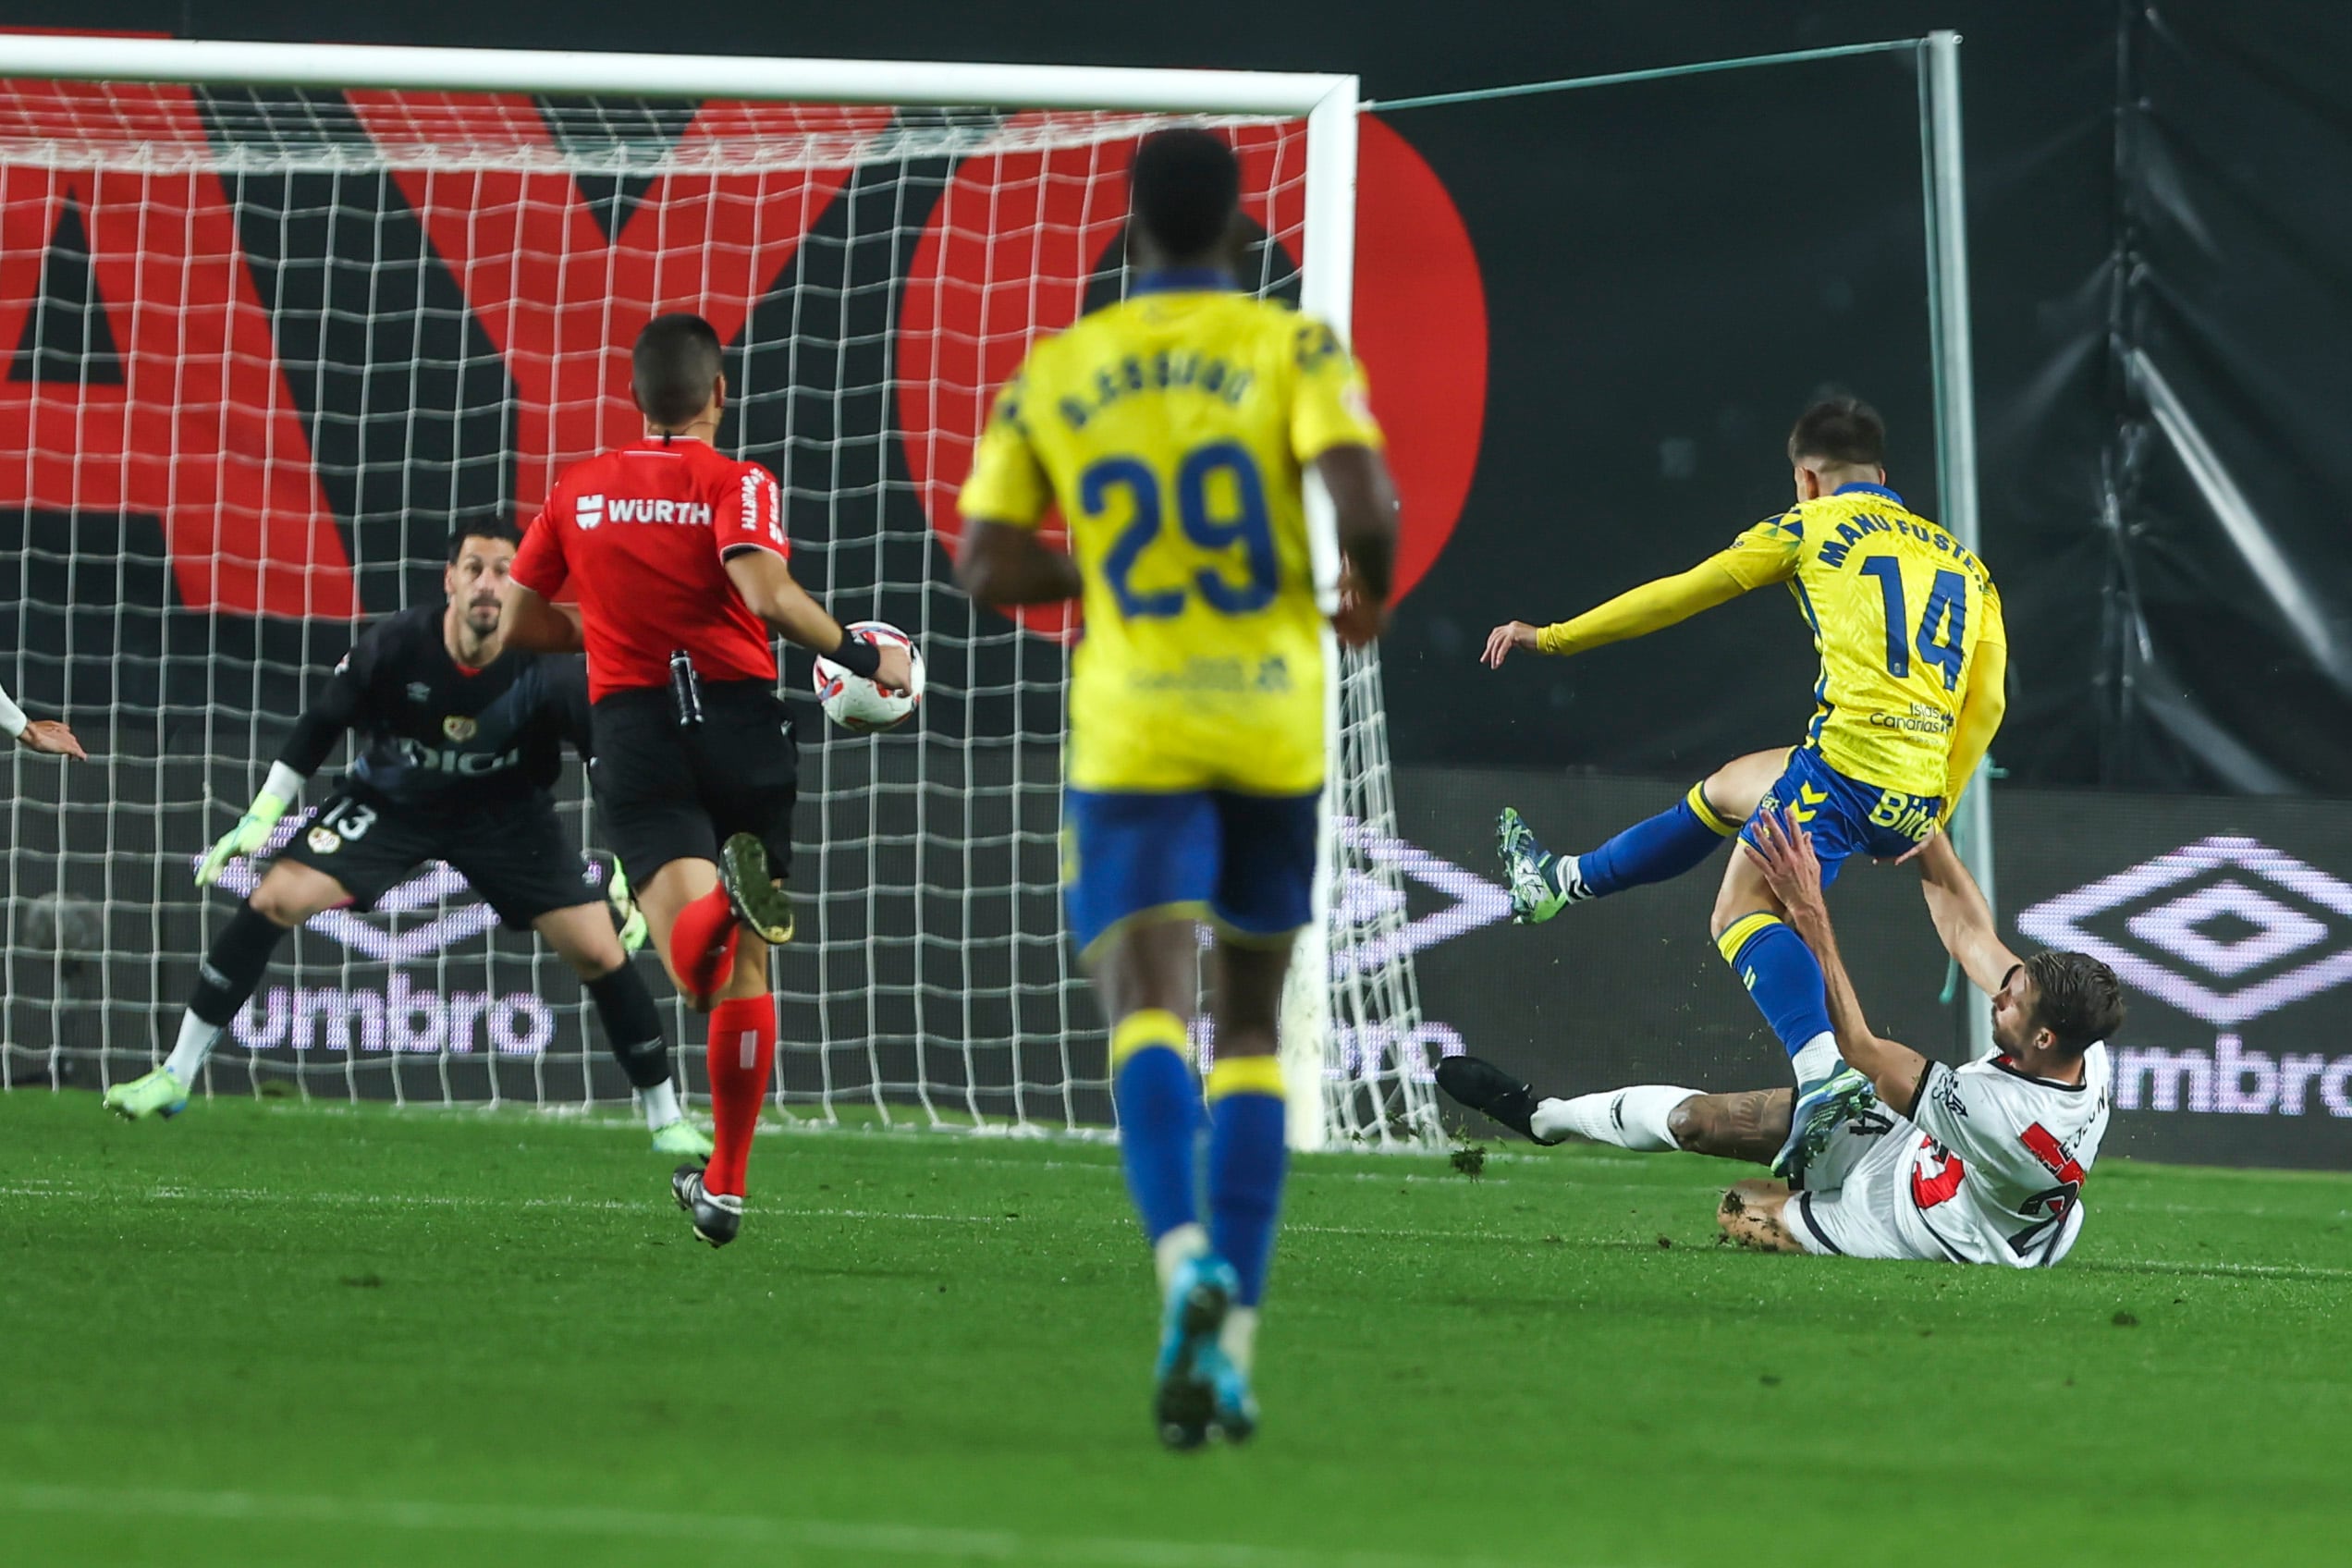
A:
x,y
1896,1156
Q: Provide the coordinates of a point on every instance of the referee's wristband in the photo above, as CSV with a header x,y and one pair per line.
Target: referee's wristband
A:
x,y
857,655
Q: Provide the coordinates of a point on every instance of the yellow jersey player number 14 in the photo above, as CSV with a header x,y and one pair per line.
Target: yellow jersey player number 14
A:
x,y
1174,431
1913,656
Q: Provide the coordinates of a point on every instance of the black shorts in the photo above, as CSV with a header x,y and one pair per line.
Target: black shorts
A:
x,y
514,853
667,791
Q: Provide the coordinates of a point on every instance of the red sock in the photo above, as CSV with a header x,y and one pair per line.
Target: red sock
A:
x,y
702,942
742,1054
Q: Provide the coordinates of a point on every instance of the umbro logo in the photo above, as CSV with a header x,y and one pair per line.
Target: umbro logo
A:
x,y
1373,914
2226,929
420,692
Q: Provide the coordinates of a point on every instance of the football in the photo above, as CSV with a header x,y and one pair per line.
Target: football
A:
x,y
855,702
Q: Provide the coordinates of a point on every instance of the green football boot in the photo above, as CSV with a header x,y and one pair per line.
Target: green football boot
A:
x,y
155,1093
684,1139
1541,883
1841,1097
763,906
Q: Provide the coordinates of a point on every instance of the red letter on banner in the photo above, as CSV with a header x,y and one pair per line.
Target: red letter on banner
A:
x,y
562,303
201,430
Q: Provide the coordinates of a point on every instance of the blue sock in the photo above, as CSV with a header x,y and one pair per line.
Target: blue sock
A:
x,y
1663,848
1781,975
1158,1116
1247,1154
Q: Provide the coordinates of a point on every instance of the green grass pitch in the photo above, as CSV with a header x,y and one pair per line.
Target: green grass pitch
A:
x,y
271,1334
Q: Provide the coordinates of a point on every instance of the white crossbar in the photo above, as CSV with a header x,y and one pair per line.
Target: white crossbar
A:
x,y
665,76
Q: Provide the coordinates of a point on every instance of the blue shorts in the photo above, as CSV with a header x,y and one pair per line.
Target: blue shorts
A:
x,y
1244,862
1846,816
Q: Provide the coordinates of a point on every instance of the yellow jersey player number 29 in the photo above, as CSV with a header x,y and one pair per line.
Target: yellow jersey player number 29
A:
x,y
1174,431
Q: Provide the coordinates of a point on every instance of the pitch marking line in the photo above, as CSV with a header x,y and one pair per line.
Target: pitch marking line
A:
x,y
833,1538
38,1188
2157,1266
248,1196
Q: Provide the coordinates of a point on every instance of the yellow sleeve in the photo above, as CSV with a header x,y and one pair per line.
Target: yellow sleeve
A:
x,y
1765,553
1981,708
1331,402
1008,482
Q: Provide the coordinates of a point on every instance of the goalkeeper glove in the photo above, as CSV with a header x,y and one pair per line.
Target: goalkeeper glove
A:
x,y
630,919
252,830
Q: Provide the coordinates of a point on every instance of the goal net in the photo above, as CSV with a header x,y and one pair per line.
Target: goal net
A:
x,y
271,345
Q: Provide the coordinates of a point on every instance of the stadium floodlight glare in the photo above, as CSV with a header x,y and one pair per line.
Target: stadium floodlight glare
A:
x,y
303,307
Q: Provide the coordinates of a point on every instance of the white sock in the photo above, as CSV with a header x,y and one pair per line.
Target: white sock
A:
x,y
1568,875
1238,1340
1816,1059
661,1105
197,1039
1631,1119
1176,1249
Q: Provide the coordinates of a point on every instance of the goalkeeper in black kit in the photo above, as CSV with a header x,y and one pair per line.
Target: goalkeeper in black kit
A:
x,y
458,742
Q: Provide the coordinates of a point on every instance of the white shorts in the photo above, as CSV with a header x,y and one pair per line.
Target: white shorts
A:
x,y
1853,1192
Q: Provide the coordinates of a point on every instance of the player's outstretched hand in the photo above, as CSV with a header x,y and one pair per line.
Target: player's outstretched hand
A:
x,y
1784,851
1358,620
896,671
51,738
252,830
1502,639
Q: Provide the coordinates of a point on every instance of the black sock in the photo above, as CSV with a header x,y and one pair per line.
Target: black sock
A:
x,y
632,1025
234,966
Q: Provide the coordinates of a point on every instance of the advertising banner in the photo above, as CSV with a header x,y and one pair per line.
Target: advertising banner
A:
x,y
2228,921
426,997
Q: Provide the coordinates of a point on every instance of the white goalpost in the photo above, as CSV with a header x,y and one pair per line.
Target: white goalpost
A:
x,y
286,315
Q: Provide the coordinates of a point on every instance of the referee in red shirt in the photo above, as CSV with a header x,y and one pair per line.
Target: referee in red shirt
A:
x,y
678,557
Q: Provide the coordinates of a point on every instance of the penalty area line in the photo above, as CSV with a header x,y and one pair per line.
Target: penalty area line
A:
x,y
2309,1271
833,1538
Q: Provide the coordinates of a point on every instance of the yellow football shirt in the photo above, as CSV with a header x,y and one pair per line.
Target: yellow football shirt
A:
x,y
1898,611
1172,430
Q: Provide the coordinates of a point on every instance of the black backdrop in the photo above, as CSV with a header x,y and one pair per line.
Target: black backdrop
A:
x,y
2161,286
1670,270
